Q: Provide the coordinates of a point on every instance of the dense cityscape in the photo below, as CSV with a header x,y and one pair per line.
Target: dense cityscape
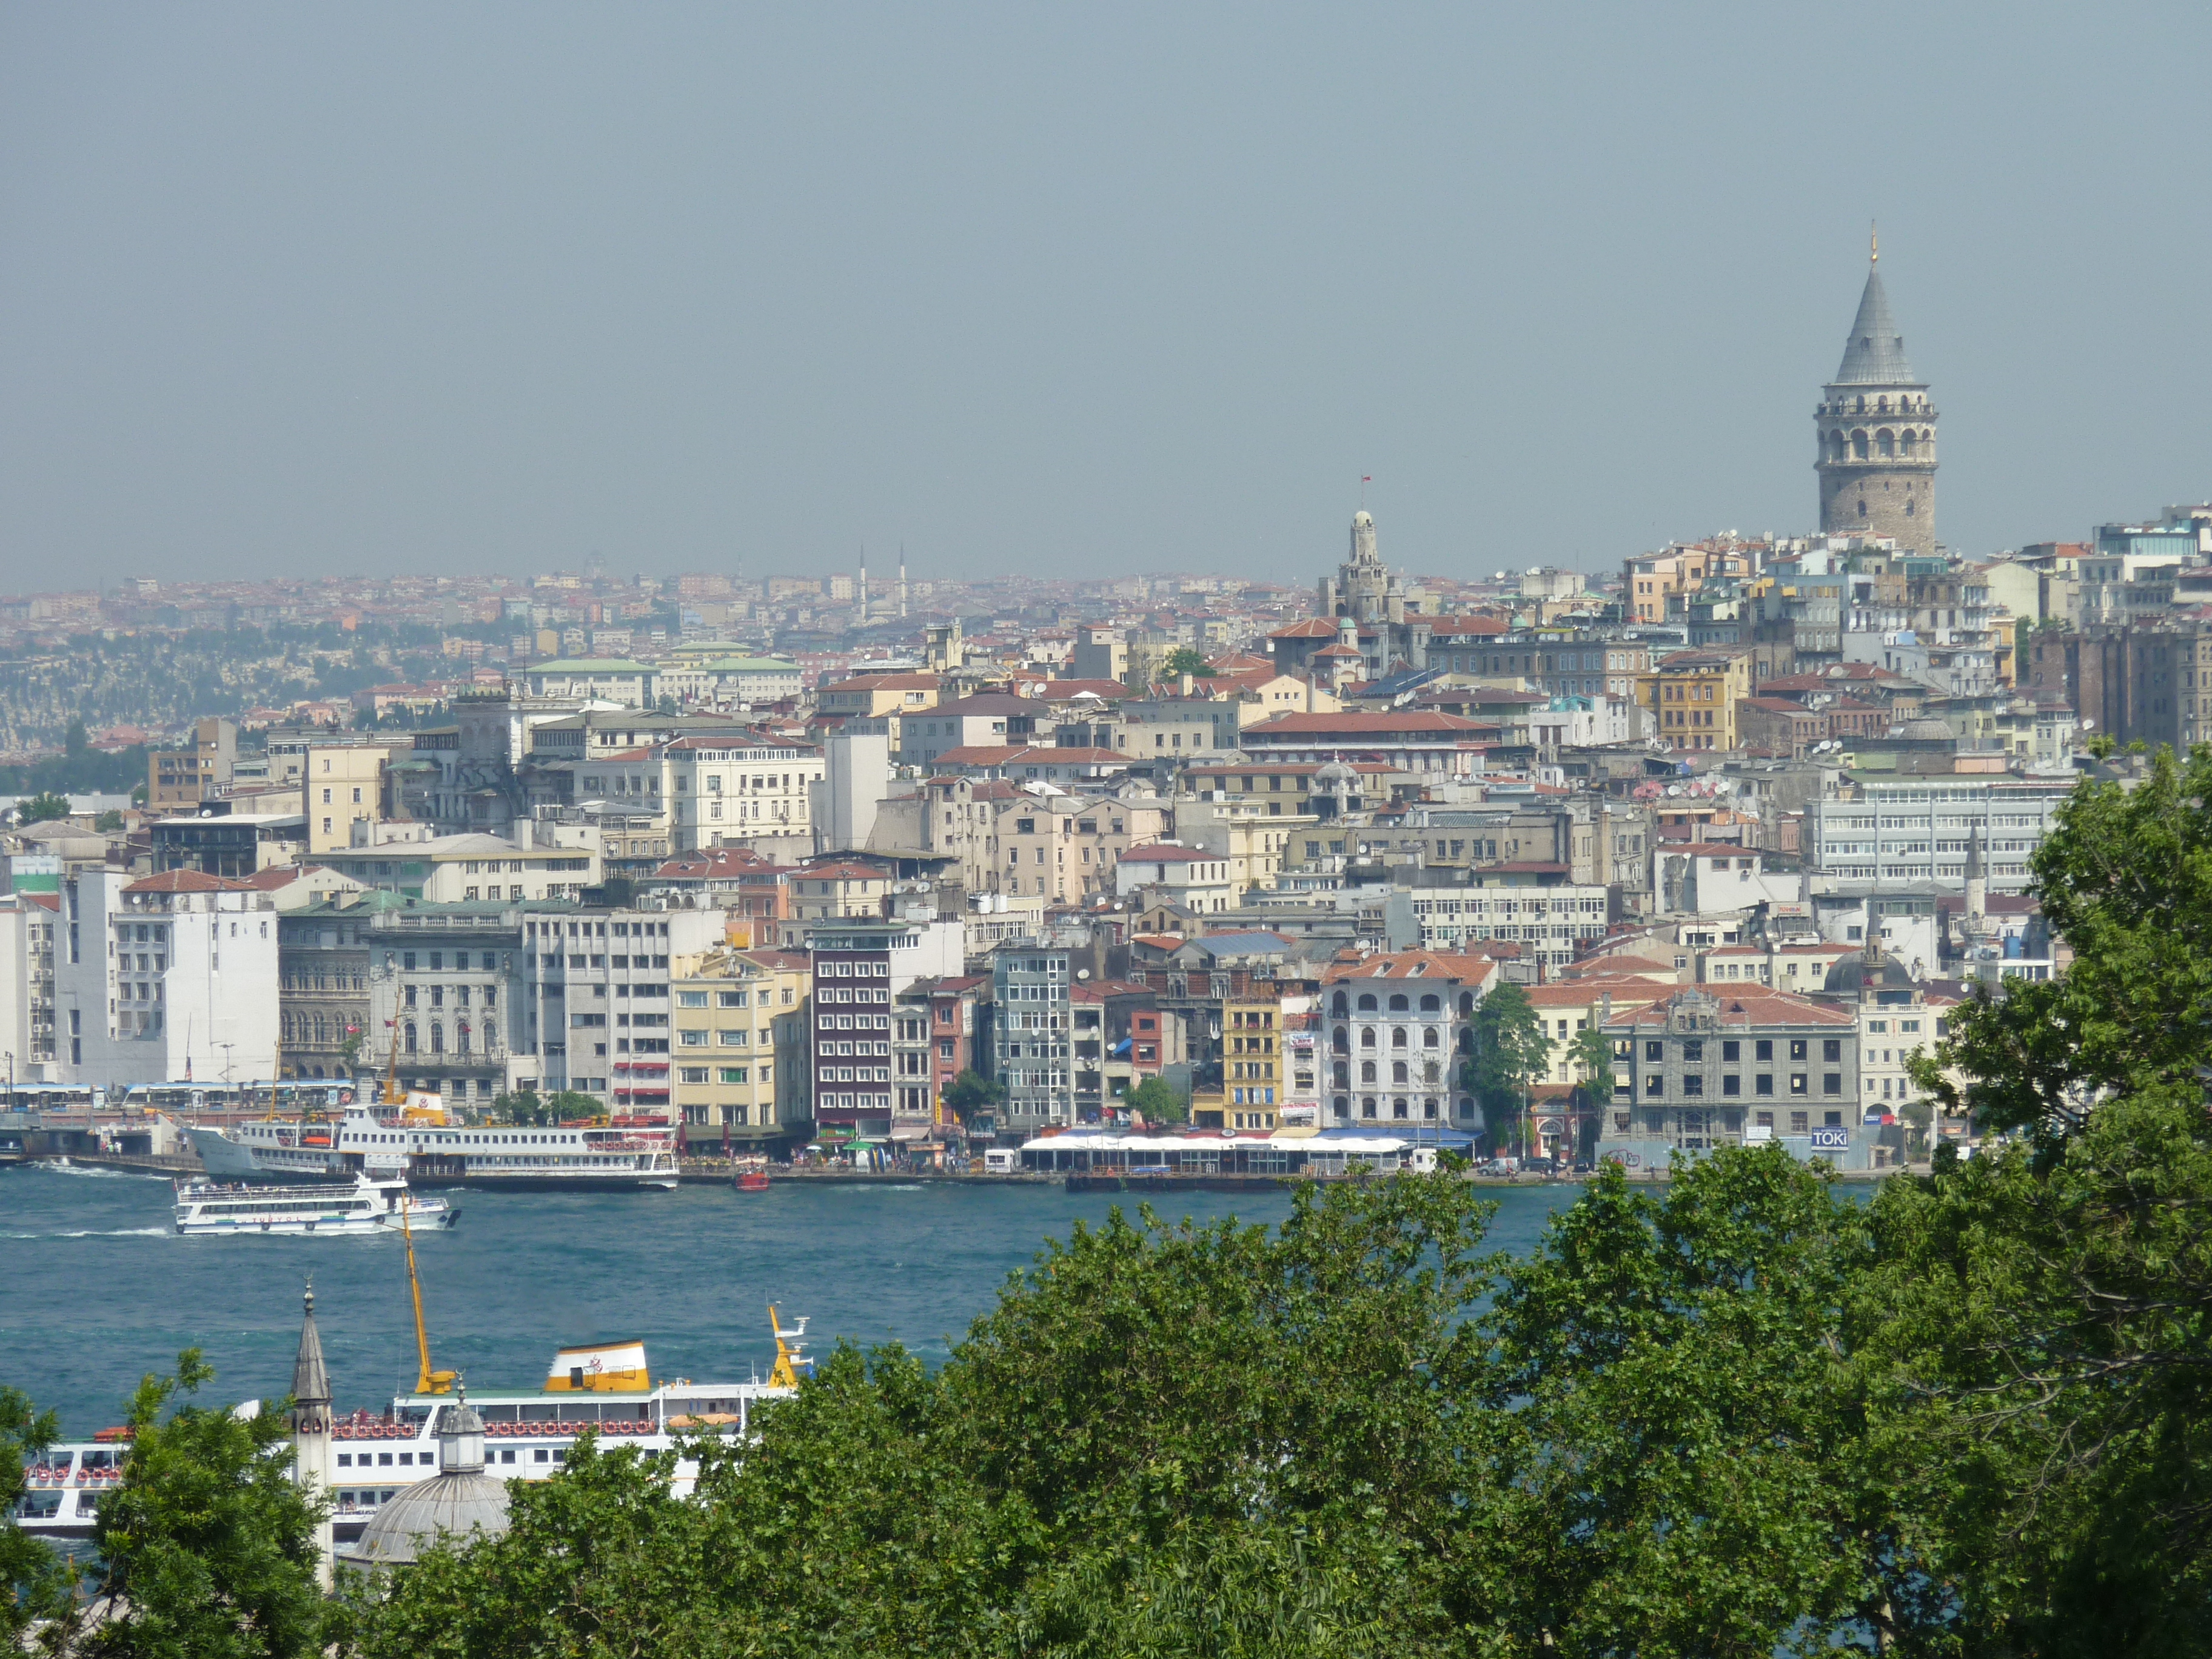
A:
x,y
1100,847
1656,1102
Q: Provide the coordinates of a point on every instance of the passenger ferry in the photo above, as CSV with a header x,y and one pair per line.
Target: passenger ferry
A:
x,y
371,1456
374,1204
632,1152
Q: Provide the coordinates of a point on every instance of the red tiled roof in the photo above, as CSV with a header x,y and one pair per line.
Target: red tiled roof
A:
x,y
1406,965
186,881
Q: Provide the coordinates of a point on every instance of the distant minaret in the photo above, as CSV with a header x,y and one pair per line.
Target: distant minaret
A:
x,y
310,1428
1978,882
864,584
902,580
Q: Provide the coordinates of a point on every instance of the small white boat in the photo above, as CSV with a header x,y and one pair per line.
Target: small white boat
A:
x,y
372,1204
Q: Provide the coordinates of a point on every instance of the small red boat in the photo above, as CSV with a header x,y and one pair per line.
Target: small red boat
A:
x,y
753,1180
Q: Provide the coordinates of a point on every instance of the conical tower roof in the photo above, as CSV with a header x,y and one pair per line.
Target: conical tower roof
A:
x,y
1874,353
311,1380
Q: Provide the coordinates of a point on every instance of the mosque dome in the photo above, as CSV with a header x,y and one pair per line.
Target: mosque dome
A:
x,y
1925,730
460,1500
1872,969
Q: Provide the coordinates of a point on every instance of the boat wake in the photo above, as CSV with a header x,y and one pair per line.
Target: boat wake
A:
x,y
88,1172
100,1232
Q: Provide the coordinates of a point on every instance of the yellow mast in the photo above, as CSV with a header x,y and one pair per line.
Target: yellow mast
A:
x,y
426,1381
788,1355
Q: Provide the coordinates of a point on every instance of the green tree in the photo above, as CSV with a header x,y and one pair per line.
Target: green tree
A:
x,y
1510,1052
207,1542
2047,1305
1185,660
34,1582
1159,1102
108,822
971,1094
2125,878
42,809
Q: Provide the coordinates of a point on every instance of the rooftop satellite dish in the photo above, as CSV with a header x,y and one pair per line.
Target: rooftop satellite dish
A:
x,y
1083,973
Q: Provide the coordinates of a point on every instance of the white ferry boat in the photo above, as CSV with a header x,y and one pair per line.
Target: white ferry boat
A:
x,y
414,1136
374,1204
370,1458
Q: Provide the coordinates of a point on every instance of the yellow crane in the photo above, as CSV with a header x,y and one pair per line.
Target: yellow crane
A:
x,y
426,1381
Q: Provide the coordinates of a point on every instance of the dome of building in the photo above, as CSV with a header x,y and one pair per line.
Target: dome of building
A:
x,y
460,1500
1872,969
1336,779
1924,730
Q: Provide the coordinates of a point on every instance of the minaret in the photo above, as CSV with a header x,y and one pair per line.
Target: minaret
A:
x,y
310,1428
901,580
1978,882
864,584
1876,432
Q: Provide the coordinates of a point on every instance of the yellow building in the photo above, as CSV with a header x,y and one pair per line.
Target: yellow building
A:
x,y
739,1044
1251,1089
341,785
1692,695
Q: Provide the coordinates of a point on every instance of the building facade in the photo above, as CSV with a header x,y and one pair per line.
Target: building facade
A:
x,y
1032,1028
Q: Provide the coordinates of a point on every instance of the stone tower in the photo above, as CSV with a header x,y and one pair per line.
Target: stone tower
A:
x,y
1877,434
311,1427
1365,589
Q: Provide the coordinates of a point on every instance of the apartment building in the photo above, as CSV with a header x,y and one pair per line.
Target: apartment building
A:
x,y
1065,848
595,999
1692,697
860,967
1032,1028
739,1023
163,978
1251,1093
1399,1023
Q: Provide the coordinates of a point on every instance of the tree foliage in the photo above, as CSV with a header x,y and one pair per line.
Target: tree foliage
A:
x,y
34,1584
1185,660
1510,1052
1159,1101
971,1094
1741,1414
42,808
207,1545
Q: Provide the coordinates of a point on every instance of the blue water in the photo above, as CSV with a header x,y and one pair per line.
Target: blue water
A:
x,y
95,1289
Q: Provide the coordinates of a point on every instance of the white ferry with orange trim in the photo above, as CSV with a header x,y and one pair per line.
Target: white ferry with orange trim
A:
x,y
413,1138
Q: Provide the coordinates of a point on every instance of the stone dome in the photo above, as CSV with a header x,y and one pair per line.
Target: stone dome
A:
x,y
1870,970
1336,779
1924,730
460,1499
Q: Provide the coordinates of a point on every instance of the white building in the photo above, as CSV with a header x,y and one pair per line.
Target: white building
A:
x,y
1551,922
727,792
27,926
166,978
1908,829
1200,881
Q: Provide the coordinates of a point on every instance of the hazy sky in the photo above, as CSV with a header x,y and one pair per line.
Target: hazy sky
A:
x,y
1079,289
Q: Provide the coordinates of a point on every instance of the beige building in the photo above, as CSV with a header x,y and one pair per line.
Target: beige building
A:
x,y
739,1047
179,780
1064,847
1242,829
472,868
342,785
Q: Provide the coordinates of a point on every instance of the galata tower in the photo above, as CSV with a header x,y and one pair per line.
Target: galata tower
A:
x,y
1877,432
